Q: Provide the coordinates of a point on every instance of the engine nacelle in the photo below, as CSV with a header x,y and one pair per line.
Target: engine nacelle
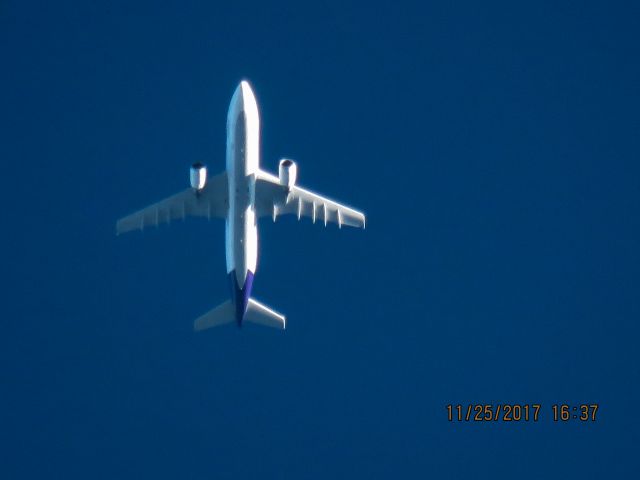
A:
x,y
198,176
287,173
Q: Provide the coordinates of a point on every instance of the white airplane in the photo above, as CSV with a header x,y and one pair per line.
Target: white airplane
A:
x,y
241,195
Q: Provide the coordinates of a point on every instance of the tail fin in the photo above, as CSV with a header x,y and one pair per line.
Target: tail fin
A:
x,y
263,315
221,315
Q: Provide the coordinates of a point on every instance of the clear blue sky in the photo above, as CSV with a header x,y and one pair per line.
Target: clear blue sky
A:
x,y
495,149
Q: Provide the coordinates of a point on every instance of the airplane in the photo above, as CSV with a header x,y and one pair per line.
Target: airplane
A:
x,y
241,195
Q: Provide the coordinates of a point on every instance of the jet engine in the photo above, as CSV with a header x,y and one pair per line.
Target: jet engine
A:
x,y
198,176
287,173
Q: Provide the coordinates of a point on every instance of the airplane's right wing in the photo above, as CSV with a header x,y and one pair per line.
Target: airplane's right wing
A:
x,y
211,201
274,199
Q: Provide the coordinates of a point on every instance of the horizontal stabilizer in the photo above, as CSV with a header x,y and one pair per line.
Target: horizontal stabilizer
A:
x,y
221,315
263,315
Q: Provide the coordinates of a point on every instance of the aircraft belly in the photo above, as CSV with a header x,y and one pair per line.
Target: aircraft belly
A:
x,y
243,138
245,245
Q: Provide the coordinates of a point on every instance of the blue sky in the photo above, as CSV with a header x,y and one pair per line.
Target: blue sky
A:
x,y
494,148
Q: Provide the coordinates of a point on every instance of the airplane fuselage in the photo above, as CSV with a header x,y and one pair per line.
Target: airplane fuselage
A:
x,y
243,161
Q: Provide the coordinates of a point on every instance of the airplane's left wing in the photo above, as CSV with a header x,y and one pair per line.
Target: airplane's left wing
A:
x,y
273,199
212,201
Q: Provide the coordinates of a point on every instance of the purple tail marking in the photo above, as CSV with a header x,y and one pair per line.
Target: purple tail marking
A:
x,y
240,295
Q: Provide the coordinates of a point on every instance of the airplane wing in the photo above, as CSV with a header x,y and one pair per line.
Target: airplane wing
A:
x,y
273,199
211,201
